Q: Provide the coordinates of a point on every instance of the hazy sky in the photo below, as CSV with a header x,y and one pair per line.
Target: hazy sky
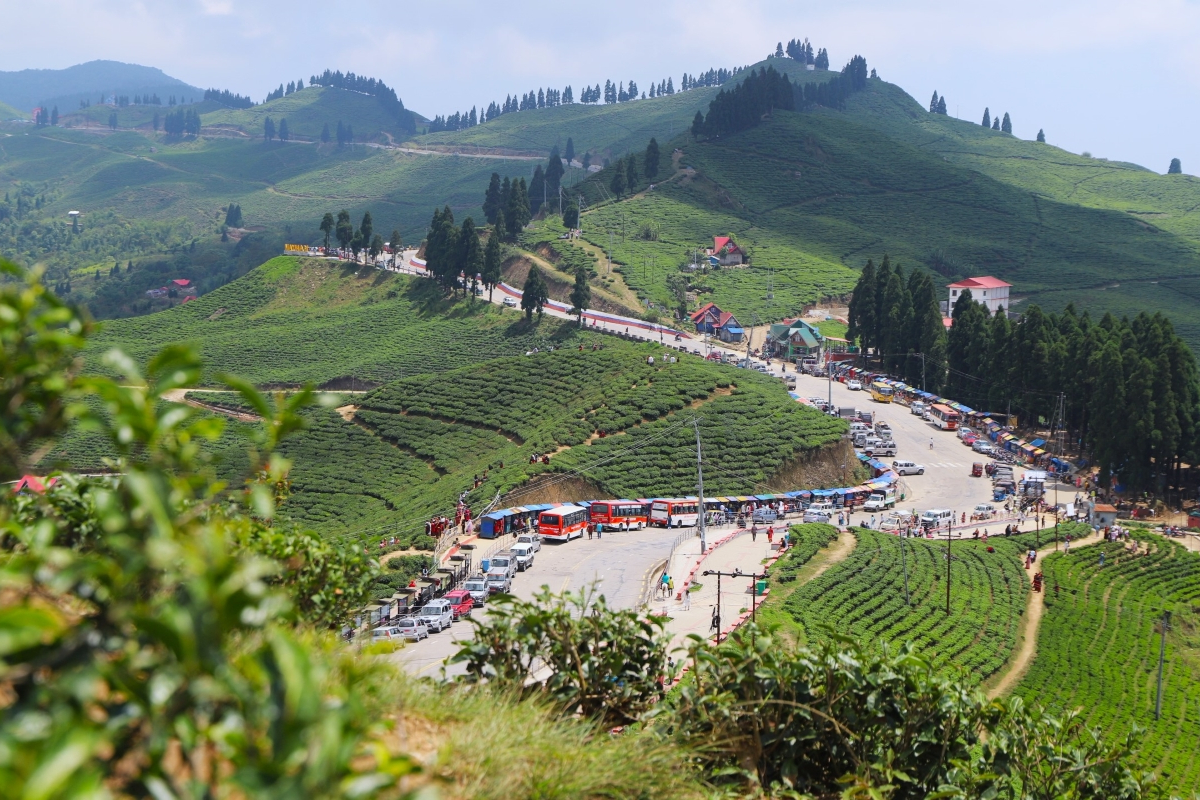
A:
x,y
1118,78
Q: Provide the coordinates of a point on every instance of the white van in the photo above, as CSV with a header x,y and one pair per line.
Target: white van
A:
x,y
908,468
917,408
937,518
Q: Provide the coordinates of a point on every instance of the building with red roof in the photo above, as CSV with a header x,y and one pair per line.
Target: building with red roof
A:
x,y
726,252
722,324
32,483
991,292
181,282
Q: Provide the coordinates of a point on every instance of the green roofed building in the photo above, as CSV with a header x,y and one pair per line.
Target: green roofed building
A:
x,y
793,339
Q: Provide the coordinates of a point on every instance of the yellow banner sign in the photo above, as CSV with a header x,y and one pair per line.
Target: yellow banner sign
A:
x,y
295,248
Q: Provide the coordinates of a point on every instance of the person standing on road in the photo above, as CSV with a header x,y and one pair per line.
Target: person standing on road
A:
x,y
754,534
930,442
770,535
599,530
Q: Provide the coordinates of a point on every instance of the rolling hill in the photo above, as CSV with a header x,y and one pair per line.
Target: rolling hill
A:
x,y
66,87
306,112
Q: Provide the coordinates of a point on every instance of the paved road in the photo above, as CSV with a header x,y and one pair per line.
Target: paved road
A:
x,y
620,563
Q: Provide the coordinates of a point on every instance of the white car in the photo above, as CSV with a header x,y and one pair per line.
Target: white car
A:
x,y
437,615
509,302
817,516
531,539
854,386
408,628
907,468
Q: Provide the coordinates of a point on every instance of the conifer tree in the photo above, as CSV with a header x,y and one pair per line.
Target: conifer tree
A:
x,y
617,184
1176,167
491,199
651,159
517,214
698,123
581,294
341,133
283,130
1006,125
376,247
995,123
1041,137
554,173
269,129
325,134
469,258
631,173
537,189
367,228
534,294
941,105
395,242
822,59
491,263
933,103
570,216
344,229
987,118
569,152
862,308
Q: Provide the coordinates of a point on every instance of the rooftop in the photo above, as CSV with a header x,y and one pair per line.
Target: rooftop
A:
x,y
987,282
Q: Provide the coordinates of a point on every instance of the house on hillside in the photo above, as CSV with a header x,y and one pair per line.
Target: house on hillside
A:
x,y
726,253
792,339
991,292
724,325
181,282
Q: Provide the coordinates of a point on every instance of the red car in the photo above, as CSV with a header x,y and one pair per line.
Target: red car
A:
x,y
461,603
969,439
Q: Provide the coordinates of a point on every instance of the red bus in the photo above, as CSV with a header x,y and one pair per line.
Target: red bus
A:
x,y
563,524
621,515
674,513
944,417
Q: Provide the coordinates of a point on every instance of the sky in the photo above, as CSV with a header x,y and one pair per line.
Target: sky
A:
x,y
1116,78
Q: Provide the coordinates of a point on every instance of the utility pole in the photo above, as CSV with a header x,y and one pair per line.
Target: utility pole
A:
x,y
716,621
1162,651
1060,414
904,564
700,490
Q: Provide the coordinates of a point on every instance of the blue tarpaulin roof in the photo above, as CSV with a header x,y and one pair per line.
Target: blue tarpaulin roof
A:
x,y
496,515
1038,442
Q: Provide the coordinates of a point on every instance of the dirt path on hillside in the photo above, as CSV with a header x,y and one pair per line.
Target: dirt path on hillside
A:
x,y
839,552
180,396
1018,665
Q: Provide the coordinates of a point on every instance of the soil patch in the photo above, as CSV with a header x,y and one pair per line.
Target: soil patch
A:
x,y
553,488
816,468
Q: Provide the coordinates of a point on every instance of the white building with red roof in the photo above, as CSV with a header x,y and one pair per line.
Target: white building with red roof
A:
x,y
992,292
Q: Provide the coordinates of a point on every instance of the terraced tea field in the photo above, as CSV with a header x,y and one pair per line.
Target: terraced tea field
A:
x,y
295,320
863,597
1099,644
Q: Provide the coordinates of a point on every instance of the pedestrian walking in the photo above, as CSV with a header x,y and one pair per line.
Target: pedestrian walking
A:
x,y
599,530
1102,558
589,530
930,442
687,601
872,521
664,583
670,587
770,536
754,534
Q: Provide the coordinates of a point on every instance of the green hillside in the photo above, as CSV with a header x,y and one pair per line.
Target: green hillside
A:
x,y
7,112
1099,646
306,112
294,320
66,87
815,194
604,130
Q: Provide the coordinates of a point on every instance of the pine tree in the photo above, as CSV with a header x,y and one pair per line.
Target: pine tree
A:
x,y
862,308
651,159
534,294
822,59
537,189
941,106
325,134
631,173
698,123
987,118
554,173
269,129
995,123
344,229
1176,167
491,263
469,258
341,133
517,214
569,152
376,247
882,276
283,130
326,227
933,103
1041,137
570,216
54,116
581,294
491,199
1006,125
617,184
367,228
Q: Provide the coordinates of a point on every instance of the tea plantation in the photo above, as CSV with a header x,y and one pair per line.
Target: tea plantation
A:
x,y
863,597
1099,644
414,445
294,320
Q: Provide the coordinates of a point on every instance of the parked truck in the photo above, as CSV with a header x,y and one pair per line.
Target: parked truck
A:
x,y
881,499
